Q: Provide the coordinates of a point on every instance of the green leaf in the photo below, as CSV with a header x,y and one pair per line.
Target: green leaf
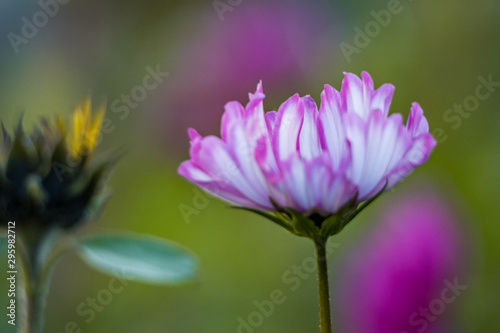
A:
x,y
331,226
268,216
303,226
139,257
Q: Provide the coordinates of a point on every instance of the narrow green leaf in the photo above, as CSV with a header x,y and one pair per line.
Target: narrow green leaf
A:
x,y
303,226
139,257
268,216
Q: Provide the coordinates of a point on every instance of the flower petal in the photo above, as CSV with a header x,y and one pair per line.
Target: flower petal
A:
x,y
298,192
331,127
382,97
216,188
377,146
287,128
233,112
243,147
417,124
309,143
216,159
270,121
355,97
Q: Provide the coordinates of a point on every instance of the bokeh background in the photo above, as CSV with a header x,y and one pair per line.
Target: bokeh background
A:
x,y
433,52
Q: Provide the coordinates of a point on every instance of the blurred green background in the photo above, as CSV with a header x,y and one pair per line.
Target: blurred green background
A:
x,y
432,51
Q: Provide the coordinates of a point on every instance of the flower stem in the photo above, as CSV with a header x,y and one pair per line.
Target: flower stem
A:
x,y
37,269
36,296
324,293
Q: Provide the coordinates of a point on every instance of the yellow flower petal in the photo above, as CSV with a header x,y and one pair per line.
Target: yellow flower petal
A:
x,y
78,129
60,125
92,134
85,129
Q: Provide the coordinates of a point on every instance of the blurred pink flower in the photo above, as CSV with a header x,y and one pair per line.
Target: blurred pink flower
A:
x,y
269,41
402,268
313,162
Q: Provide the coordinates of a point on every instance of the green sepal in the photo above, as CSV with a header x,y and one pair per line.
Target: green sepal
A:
x,y
5,135
96,206
302,225
332,225
34,190
23,157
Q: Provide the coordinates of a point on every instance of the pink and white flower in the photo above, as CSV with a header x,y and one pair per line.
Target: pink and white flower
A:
x,y
313,161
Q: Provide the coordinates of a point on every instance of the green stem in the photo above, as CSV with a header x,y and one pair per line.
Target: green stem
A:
x,y
37,270
324,293
35,280
36,297
37,288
